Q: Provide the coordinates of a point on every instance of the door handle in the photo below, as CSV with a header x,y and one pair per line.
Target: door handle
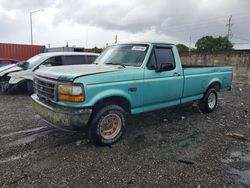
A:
x,y
176,74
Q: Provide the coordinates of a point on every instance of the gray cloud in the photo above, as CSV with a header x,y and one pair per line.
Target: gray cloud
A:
x,y
26,5
176,18
179,19
14,27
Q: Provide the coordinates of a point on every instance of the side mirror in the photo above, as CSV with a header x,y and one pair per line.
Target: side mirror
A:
x,y
165,67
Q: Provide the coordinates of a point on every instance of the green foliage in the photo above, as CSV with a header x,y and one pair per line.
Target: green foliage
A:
x,y
182,48
98,50
210,43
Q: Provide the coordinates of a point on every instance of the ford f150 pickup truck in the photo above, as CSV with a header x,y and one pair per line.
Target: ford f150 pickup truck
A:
x,y
125,79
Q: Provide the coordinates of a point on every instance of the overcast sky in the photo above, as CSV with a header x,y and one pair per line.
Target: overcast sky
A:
x,y
87,23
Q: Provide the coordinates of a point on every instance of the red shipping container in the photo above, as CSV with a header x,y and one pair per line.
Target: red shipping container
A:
x,y
19,51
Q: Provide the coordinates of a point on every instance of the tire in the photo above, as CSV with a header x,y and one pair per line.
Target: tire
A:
x,y
5,89
30,89
209,102
107,125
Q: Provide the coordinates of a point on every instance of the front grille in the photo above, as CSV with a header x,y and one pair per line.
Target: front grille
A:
x,y
45,88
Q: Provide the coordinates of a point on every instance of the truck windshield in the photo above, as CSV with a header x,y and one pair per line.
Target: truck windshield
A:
x,y
124,55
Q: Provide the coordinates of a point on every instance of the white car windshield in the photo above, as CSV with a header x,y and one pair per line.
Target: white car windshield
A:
x,y
124,55
36,60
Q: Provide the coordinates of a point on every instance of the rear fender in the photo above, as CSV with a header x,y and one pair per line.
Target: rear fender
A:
x,y
215,80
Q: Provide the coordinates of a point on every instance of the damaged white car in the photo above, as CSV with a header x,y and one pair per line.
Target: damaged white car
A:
x,y
20,76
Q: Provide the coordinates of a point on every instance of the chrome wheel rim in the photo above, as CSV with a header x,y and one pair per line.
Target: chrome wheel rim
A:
x,y
211,100
110,126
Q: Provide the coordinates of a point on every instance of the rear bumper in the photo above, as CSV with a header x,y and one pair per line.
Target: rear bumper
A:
x,y
68,119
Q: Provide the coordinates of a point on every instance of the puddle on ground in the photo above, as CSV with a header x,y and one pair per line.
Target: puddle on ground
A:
x,y
237,156
16,157
23,131
31,138
243,176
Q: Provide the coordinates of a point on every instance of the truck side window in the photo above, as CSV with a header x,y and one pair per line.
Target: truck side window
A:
x,y
164,55
74,60
152,62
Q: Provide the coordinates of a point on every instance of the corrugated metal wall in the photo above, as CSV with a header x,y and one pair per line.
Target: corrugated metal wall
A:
x,y
19,51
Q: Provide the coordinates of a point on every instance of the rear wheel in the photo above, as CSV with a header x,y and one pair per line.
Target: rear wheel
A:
x,y
209,101
107,125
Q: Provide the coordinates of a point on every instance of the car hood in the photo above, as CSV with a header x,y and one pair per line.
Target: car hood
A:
x,y
69,73
8,69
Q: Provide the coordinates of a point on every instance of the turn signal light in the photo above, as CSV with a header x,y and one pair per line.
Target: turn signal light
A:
x,y
71,98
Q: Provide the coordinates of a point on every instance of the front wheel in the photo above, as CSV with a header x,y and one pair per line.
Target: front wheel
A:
x,y
209,101
107,125
30,89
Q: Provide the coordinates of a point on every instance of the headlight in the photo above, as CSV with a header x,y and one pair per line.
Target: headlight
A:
x,y
72,93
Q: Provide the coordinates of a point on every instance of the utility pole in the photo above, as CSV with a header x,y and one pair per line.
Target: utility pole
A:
x,y
87,36
229,25
31,28
116,39
189,49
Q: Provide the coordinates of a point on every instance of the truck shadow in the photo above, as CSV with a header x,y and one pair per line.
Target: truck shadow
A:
x,y
156,128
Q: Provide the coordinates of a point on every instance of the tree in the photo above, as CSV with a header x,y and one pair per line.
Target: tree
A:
x,y
182,48
98,50
210,44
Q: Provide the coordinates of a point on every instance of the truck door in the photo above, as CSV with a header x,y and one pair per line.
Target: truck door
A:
x,y
164,88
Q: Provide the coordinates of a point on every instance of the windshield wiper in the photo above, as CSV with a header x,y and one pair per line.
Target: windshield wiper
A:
x,y
116,64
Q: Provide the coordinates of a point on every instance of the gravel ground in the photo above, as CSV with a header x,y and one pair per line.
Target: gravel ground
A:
x,y
175,147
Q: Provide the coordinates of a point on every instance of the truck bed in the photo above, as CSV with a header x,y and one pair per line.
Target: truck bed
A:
x,y
197,79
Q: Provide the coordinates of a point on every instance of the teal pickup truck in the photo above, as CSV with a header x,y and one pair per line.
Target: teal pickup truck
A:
x,y
125,79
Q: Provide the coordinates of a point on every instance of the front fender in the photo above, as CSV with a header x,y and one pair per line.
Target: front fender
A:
x,y
15,80
109,93
16,77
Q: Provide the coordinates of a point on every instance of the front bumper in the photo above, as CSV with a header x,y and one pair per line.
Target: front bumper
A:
x,y
68,119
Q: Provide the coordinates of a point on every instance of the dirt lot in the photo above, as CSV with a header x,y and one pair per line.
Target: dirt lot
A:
x,y
177,147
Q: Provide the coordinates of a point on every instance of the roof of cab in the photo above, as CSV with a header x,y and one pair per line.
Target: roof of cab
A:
x,y
51,54
149,42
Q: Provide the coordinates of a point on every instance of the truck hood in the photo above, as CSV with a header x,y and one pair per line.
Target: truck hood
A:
x,y
69,73
8,69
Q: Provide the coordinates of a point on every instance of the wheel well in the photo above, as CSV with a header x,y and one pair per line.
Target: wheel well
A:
x,y
121,101
215,85
22,85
